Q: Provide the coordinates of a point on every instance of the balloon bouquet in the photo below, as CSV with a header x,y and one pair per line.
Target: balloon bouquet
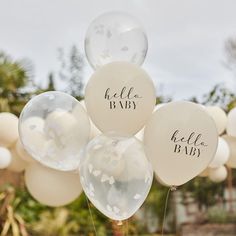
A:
x,y
115,167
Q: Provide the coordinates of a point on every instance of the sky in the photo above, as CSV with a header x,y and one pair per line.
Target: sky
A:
x,y
186,38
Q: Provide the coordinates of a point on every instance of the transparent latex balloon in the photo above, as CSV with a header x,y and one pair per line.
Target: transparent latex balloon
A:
x,y
115,175
51,132
115,36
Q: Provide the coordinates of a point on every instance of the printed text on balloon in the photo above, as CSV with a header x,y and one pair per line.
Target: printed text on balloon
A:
x,y
191,144
125,99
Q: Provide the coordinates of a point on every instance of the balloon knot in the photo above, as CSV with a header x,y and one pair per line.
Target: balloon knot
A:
x,y
119,223
173,188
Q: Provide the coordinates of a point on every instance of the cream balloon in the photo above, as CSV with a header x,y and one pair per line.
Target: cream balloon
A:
x,y
181,140
140,134
60,133
52,187
232,148
222,154
204,173
5,158
17,164
22,153
218,174
8,129
158,106
231,123
219,116
120,97
94,131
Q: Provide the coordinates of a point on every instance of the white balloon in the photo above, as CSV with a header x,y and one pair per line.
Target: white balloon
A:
x,y
218,174
52,187
180,140
232,147
115,36
17,164
158,106
22,153
120,97
116,175
219,116
51,132
8,129
5,158
231,123
222,154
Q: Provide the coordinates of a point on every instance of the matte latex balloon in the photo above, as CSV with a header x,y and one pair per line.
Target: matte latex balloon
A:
x,y
17,164
222,154
231,141
180,140
115,36
52,187
231,123
8,129
218,174
115,175
204,173
51,132
219,116
22,153
140,134
120,97
5,158
94,130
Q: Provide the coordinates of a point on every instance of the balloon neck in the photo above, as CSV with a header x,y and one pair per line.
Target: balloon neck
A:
x,y
120,223
173,188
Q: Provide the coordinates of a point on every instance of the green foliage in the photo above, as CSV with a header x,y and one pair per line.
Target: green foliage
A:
x,y
71,72
204,192
220,215
14,76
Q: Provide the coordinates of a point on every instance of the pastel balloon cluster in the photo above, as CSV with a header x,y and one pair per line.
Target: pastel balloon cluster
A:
x,y
111,142
225,156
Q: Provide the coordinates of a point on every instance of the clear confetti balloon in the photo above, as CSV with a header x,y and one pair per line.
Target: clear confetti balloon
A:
x,y
115,175
51,132
115,36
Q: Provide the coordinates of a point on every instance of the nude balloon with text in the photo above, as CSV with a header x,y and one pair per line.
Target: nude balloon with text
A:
x,y
181,140
120,97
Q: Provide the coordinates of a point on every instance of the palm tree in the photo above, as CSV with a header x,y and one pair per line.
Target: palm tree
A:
x,y
14,75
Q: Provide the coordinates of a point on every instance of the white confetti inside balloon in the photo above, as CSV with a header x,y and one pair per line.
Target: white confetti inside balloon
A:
x,y
51,133
116,175
115,36
5,158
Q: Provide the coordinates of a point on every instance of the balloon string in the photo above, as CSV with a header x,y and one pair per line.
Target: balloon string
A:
x,y
172,188
127,227
91,216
